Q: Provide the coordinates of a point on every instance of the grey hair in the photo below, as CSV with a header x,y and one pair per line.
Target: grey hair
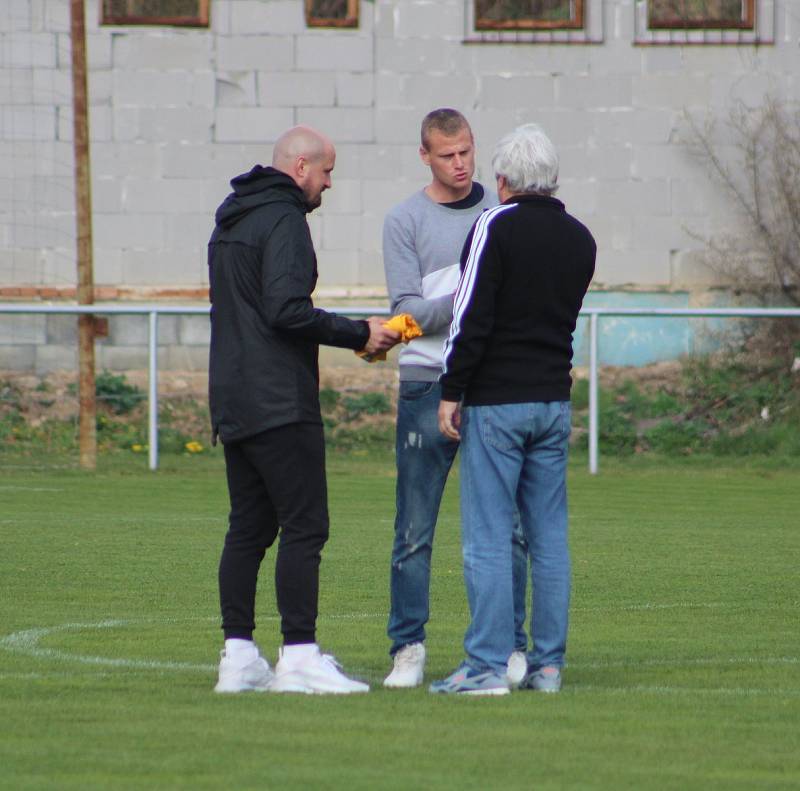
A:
x,y
528,160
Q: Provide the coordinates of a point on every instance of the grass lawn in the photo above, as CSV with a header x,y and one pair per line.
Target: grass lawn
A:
x,y
684,655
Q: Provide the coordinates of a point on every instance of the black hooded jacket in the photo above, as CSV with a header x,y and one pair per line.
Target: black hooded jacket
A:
x,y
265,330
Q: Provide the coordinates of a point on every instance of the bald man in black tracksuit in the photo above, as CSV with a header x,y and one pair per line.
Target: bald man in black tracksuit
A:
x,y
264,402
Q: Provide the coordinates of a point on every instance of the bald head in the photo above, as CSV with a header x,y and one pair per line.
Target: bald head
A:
x,y
299,141
308,157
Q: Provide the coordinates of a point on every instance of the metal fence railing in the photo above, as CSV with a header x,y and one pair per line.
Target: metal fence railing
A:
x,y
594,314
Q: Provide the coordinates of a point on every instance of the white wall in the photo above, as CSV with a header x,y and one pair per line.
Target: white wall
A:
x,y
175,113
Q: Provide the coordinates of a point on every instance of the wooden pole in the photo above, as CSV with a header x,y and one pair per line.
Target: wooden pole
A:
x,y
87,428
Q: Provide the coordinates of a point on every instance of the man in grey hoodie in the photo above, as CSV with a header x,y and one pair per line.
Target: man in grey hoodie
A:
x,y
422,241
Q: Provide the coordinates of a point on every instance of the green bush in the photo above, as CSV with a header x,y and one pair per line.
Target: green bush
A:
x,y
733,391
580,395
676,437
723,405
12,426
328,399
117,393
617,431
362,439
119,434
366,404
758,441
49,436
172,440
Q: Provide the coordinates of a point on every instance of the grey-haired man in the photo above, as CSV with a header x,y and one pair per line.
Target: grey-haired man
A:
x,y
505,394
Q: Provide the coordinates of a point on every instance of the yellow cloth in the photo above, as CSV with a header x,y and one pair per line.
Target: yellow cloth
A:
x,y
405,324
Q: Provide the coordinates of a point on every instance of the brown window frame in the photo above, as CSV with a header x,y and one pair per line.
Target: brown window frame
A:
x,y
351,20
533,24
200,20
748,22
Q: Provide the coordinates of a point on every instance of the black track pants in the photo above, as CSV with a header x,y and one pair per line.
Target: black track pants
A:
x,y
277,484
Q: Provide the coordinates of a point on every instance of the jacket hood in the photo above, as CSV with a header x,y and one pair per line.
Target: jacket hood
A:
x,y
259,187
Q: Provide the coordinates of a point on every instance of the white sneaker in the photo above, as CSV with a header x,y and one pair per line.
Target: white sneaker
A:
x,y
315,673
409,666
255,675
517,668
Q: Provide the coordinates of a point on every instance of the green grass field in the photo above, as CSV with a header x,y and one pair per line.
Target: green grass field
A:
x,y
684,655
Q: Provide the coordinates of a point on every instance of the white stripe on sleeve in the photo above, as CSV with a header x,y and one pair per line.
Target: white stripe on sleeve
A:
x,y
466,284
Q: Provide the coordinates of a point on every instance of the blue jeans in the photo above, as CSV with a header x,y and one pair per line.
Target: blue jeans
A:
x,y
424,457
514,459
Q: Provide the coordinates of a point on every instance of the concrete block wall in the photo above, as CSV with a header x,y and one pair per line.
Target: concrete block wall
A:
x,y
175,113
44,343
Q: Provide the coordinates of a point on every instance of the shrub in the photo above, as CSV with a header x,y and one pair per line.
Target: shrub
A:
x,y
366,404
735,403
676,437
328,399
762,177
115,391
756,160
580,395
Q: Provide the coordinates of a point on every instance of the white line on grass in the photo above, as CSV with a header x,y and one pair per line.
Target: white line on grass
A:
x,y
636,689
718,660
27,642
29,489
52,674
678,605
35,467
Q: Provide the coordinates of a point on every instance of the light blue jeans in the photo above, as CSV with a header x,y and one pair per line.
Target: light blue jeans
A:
x,y
514,459
424,458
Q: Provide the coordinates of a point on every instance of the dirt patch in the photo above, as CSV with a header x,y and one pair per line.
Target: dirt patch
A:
x,y
353,397
666,375
183,395
54,396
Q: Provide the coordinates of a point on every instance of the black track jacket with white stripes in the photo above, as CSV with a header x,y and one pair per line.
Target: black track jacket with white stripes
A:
x,y
525,268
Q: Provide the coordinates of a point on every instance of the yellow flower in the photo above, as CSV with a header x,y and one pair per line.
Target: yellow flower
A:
x,y
194,447
137,448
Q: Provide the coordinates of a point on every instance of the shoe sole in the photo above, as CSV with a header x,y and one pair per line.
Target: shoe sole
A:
x,y
226,690
309,691
473,692
396,685
287,685
478,692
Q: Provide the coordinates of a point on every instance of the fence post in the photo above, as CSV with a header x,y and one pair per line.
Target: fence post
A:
x,y
152,401
593,405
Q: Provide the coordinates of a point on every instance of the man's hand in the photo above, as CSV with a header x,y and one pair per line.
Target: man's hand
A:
x,y
450,419
381,339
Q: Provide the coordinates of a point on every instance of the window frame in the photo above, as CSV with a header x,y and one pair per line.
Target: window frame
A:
x,y
675,23
578,23
590,32
200,20
760,33
350,21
